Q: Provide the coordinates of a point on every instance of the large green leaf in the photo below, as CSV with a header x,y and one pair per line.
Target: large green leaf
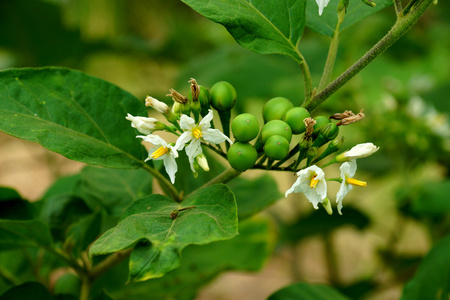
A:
x,y
32,290
202,263
306,291
261,26
158,238
31,233
71,113
113,189
13,207
252,196
326,23
432,280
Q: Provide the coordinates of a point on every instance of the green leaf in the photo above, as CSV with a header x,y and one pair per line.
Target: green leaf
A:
x,y
246,252
432,199
31,233
264,27
326,23
13,207
32,290
432,280
252,196
71,113
158,239
306,291
113,189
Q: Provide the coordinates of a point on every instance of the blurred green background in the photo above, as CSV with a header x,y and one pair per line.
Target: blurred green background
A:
x,y
147,47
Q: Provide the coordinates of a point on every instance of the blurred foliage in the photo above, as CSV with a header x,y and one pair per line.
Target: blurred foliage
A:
x,y
146,47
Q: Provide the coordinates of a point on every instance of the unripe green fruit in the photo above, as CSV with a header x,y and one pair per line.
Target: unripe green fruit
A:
x,y
276,147
68,284
242,156
320,122
245,127
222,96
276,127
276,108
294,117
203,97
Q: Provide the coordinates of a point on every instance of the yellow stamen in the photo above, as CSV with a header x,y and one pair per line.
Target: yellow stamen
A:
x,y
313,182
160,152
197,133
353,181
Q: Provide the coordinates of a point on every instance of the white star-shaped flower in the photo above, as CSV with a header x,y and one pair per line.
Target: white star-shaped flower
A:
x,y
311,182
145,125
322,4
348,170
164,151
194,134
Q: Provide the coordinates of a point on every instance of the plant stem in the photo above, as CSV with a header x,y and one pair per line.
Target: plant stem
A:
x,y
306,78
332,52
108,263
165,184
223,177
398,8
401,26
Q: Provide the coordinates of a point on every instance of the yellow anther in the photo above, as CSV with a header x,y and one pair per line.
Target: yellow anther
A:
x,y
160,152
353,181
314,182
197,133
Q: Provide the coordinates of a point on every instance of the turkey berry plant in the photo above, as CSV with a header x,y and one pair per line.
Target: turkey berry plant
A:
x,y
63,110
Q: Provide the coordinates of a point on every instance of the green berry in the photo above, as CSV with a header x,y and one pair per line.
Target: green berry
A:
x,y
276,147
276,127
276,108
245,127
320,122
223,96
242,156
294,117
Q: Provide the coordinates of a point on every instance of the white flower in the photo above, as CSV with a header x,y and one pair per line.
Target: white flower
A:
x,y
359,151
311,182
156,104
164,151
322,4
197,133
348,169
145,125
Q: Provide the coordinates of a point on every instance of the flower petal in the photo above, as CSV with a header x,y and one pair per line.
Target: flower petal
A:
x,y
215,136
186,122
182,140
192,150
205,123
156,140
171,166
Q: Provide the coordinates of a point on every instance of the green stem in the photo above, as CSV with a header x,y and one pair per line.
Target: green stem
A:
x,y
306,78
108,263
401,26
332,52
223,177
165,184
398,8
86,285
334,179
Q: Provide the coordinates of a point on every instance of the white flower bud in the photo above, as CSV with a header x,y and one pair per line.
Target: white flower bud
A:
x,y
359,151
145,125
156,104
202,162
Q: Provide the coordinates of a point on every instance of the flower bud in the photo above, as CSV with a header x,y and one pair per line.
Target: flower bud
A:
x,y
334,146
145,125
156,104
202,162
342,6
359,151
369,3
326,133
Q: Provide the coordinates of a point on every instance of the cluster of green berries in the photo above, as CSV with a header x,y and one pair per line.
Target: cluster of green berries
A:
x,y
281,121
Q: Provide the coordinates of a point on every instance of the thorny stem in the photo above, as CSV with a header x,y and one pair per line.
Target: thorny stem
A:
x,y
401,26
398,8
165,184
